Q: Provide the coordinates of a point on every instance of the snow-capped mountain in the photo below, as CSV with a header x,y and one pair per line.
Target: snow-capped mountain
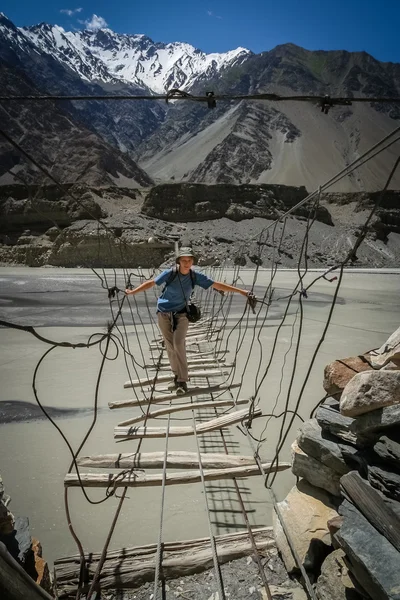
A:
x,y
236,142
106,56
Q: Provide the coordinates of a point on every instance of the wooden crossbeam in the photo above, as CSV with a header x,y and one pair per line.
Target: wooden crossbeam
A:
x,y
190,334
182,407
194,364
155,460
193,369
194,361
132,433
197,391
165,378
140,479
202,338
195,351
131,567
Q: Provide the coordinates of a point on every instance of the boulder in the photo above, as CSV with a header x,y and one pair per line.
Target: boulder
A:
x,y
332,422
331,452
335,582
305,512
384,480
369,391
314,471
339,372
371,557
388,352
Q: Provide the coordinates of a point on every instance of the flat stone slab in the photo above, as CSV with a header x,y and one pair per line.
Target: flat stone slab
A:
x,y
306,511
388,482
333,453
314,471
332,422
388,448
360,431
373,560
376,421
370,391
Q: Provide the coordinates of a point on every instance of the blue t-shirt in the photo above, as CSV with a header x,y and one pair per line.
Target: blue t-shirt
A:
x,y
179,290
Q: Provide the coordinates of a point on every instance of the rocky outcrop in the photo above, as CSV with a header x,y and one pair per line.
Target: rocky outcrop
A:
x,y
37,207
386,218
85,244
15,535
357,459
196,202
72,229
34,217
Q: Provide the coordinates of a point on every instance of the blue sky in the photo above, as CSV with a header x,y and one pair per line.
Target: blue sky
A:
x,y
220,25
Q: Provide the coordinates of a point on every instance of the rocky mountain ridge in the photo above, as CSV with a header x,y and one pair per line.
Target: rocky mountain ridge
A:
x,y
107,57
237,142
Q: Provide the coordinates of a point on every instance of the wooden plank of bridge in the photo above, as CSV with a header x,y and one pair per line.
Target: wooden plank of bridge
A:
x,y
131,567
141,479
182,407
155,460
192,342
132,433
197,391
165,378
190,334
193,365
196,352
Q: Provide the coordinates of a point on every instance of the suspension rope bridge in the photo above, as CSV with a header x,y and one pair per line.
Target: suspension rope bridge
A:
x,y
220,349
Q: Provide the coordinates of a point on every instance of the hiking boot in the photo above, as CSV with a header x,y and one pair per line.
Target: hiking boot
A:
x,y
174,384
181,388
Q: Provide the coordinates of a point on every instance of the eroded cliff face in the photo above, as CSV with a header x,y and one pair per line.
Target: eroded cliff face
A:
x,y
113,227
197,202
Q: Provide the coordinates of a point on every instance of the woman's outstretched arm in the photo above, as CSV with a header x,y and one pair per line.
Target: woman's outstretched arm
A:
x,y
146,285
224,287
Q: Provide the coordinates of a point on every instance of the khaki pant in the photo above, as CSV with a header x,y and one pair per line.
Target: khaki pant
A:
x,y
175,342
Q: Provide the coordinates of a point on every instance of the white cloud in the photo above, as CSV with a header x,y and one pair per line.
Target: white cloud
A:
x,y
211,14
70,11
95,23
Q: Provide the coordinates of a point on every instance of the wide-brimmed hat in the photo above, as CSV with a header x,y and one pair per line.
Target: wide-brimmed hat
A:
x,y
185,251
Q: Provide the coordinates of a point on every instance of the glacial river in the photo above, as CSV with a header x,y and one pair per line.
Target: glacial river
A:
x,y
70,305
